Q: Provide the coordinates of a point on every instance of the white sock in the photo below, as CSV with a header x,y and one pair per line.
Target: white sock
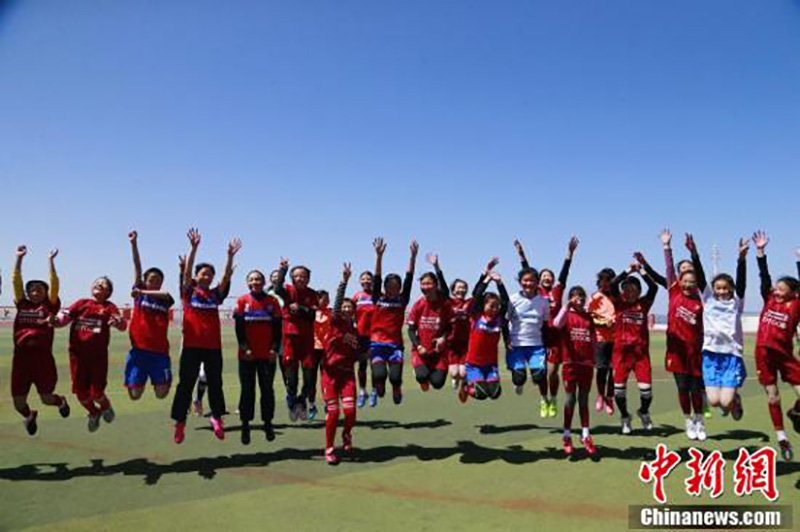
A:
x,y
782,435
585,432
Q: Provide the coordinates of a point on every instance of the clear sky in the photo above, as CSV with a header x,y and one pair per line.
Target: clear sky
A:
x,y
307,128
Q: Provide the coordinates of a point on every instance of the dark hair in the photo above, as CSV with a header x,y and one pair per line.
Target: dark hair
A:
x,y
490,296
204,265
429,275
349,300
300,267
273,272
633,281
680,262
687,272
259,272
33,282
365,272
393,277
527,271
606,274
321,293
455,282
723,277
110,284
156,271
547,270
576,290
791,282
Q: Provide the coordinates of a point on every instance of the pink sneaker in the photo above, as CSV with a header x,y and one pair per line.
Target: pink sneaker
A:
x,y
180,429
588,444
347,442
599,403
219,430
568,448
609,407
330,456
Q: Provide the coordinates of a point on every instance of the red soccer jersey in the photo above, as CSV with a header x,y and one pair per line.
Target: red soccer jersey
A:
x,y
581,338
459,334
322,326
483,339
31,330
149,324
554,296
778,325
363,302
431,318
685,323
259,312
90,332
631,328
340,345
201,326
387,321
299,324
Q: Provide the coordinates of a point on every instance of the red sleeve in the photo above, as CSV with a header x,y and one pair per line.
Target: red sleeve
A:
x,y
240,304
77,307
112,308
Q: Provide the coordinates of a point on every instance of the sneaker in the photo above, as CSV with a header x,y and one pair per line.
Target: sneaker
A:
x,y
626,425
424,386
269,432
691,429
647,422
786,450
217,426
794,417
312,411
373,399
30,422
707,413
588,444
245,433
180,430
599,403
302,411
737,410
552,409
362,400
609,406
700,427
544,410
724,412
109,415
462,394
294,411
454,384
347,442
519,388
198,408
567,444
330,456
63,408
397,397
93,423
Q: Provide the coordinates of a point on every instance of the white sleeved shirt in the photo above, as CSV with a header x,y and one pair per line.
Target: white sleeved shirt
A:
x,y
722,324
526,316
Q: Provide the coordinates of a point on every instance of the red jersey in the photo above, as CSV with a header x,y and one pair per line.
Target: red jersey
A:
x,y
341,345
90,332
581,338
459,333
778,325
149,324
684,323
363,302
387,321
201,326
631,327
431,319
259,312
299,324
554,296
31,330
483,339
322,326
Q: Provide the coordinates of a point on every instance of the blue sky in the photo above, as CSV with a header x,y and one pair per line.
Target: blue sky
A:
x,y
307,128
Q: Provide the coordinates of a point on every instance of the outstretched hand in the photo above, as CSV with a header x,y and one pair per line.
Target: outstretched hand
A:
x,y
494,261
690,245
346,272
379,245
519,248
414,247
495,276
640,258
760,239
666,237
433,259
194,236
283,264
744,246
52,254
573,245
132,236
22,251
234,246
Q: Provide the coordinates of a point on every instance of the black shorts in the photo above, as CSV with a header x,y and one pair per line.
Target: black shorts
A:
x,y
602,355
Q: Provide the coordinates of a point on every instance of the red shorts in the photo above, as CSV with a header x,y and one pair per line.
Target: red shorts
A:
x,y
89,376
627,359
457,354
299,349
577,376
554,355
769,363
33,367
338,383
432,360
685,363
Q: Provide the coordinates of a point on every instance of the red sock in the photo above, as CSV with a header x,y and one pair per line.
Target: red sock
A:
x,y
554,382
90,407
349,415
686,403
776,415
697,402
331,419
103,403
583,408
569,411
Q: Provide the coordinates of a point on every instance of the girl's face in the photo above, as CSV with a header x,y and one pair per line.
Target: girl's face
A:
x,y
348,309
689,283
391,287
153,281
631,292
685,266
723,290
204,277
491,308
101,290
366,281
323,301
428,287
783,292
273,278
604,285
529,284
300,278
255,282
547,280
460,290
36,293
578,300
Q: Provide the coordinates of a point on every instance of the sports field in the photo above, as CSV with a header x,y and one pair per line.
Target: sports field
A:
x,y
429,464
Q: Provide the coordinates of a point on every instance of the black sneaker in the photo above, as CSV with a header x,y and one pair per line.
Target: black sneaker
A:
x,y
245,434
63,408
786,450
737,409
30,423
794,416
269,432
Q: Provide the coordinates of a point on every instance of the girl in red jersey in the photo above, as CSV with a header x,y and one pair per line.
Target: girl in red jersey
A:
x,y
458,340
601,307
322,325
777,327
429,324
202,336
554,292
578,358
89,336
33,362
338,376
363,301
258,332
632,343
149,354
389,299
299,313
488,325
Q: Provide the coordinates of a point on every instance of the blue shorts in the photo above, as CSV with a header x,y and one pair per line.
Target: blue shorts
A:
x,y
142,365
482,374
385,354
527,357
723,370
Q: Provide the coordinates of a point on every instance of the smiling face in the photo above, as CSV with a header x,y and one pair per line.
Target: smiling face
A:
x,y
348,308
529,283
391,287
428,287
255,282
101,290
366,281
153,280
688,283
723,289
204,277
491,308
783,292
547,279
578,299
36,293
460,290
323,300
631,291
300,277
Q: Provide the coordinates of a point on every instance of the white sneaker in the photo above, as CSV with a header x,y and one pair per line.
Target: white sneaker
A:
x,y
626,425
691,429
701,430
519,389
454,384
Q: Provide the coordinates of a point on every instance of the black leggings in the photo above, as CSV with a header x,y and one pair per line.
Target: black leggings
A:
x,y
518,376
436,378
264,371
380,372
483,390
309,391
191,358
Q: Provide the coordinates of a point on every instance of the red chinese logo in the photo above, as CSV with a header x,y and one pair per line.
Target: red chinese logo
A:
x,y
705,474
755,472
657,470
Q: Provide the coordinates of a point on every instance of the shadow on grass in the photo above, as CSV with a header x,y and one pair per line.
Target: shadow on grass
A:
x,y
319,424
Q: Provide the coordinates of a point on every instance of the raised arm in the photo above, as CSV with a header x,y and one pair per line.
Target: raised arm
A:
x,y
54,282
133,237
523,260
377,281
16,275
741,267
433,258
797,254
280,286
194,242
181,269
564,274
561,318
669,261
699,273
337,303
652,286
225,284
651,273
408,282
760,239
621,276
